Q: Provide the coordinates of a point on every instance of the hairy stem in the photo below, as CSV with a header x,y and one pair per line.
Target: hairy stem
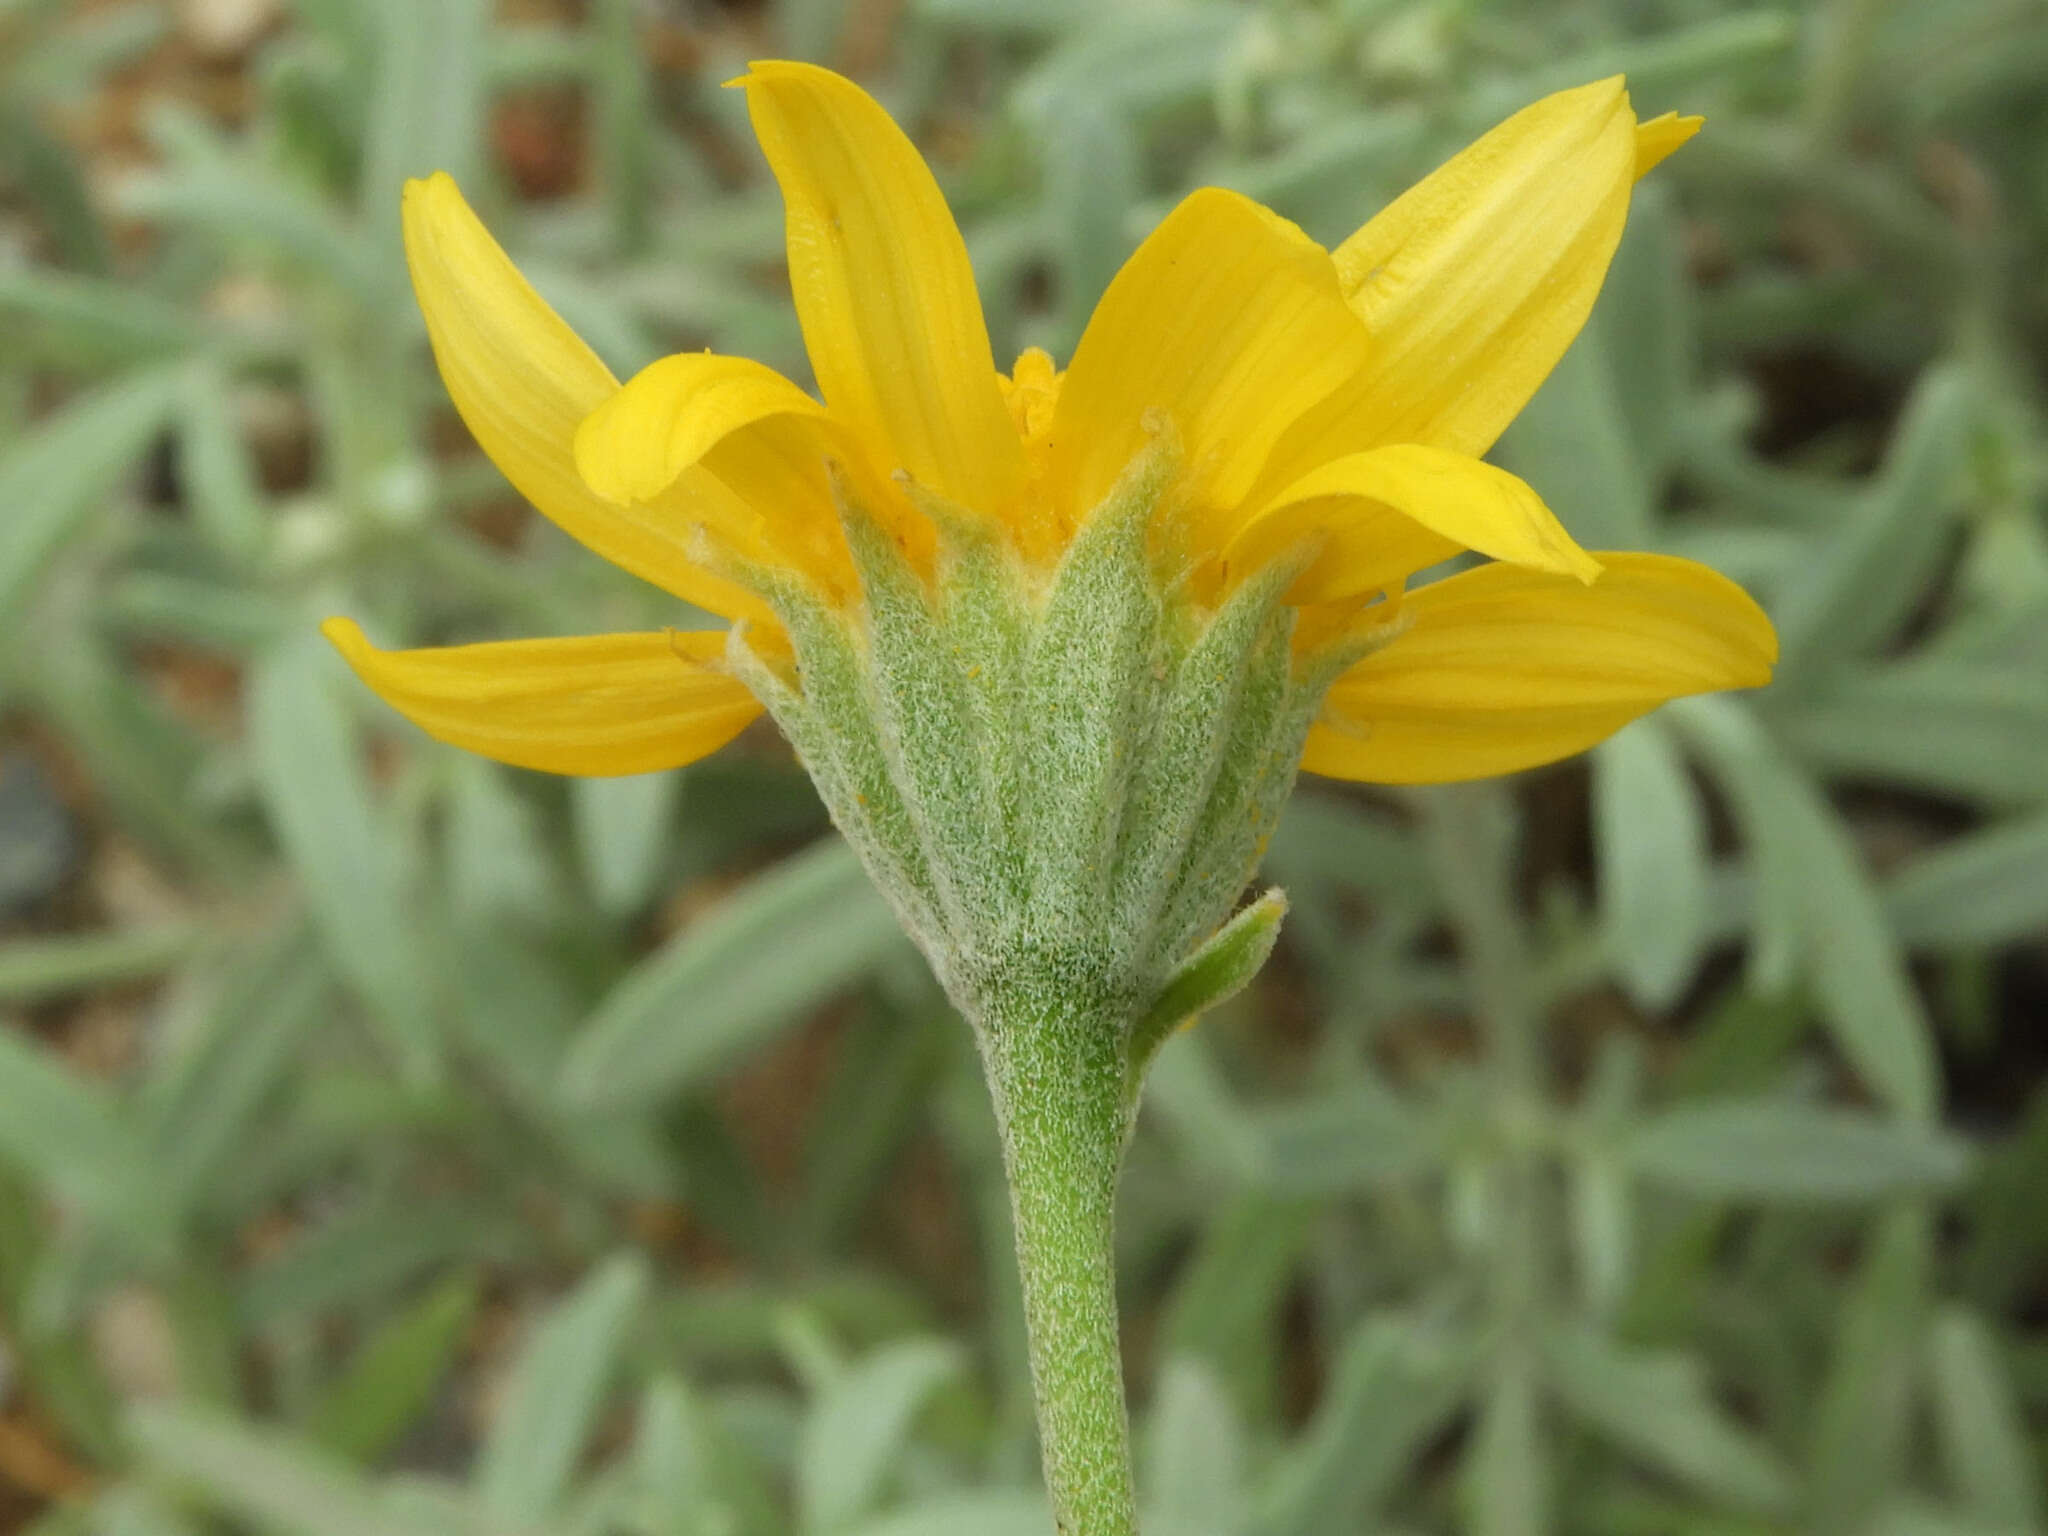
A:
x,y
1056,1070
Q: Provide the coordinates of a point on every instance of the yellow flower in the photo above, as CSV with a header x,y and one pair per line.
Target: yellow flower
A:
x,y
1338,400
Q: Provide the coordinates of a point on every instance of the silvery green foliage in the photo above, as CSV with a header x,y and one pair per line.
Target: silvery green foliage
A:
x,y
1062,782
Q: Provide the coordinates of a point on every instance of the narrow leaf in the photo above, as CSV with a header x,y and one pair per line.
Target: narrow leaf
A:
x,y
1341,1139
69,1134
309,766
1983,888
670,1459
557,1387
393,1377
216,474
1875,568
1092,181
1224,1300
1966,730
733,980
1983,1434
268,1479
1650,835
1507,1479
33,969
1658,1406
201,1108
1391,1390
1194,1468
1646,322
1814,885
1776,1149
498,870
859,1428
426,112
624,829
60,472
90,320
1863,1419
985,1514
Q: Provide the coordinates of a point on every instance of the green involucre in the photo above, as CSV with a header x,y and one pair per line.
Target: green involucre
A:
x,y
1062,782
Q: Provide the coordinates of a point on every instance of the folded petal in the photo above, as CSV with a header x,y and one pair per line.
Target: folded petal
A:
x,y
1230,321
696,423
1475,280
1505,668
671,414
598,705
523,382
883,288
1388,512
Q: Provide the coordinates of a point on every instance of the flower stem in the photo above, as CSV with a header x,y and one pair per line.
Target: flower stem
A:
x,y
1056,1072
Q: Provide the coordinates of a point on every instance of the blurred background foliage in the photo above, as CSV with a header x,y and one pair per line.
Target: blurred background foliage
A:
x,y
391,1143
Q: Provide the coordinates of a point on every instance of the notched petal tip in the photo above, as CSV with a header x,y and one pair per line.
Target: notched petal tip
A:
x,y
347,637
1659,137
433,214
759,70
433,184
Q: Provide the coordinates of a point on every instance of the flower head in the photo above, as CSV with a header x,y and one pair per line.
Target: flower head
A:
x,y
1328,401
1054,643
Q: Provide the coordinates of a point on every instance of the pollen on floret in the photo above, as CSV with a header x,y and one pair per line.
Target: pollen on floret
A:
x,y
1031,389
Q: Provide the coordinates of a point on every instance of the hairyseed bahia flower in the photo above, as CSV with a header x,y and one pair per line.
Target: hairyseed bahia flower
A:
x,y
1345,395
1081,624
1054,643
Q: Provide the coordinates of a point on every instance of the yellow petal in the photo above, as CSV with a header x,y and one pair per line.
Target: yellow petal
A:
x,y
778,465
523,382
1227,318
883,288
1446,748
671,414
1447,501
599,704
1659,137
1475,280
1505,668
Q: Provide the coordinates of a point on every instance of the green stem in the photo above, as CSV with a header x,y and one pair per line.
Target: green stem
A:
x,y
1056,1072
